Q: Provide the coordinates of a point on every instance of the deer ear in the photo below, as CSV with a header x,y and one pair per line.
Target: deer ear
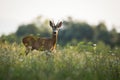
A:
x,y
59,24
51,24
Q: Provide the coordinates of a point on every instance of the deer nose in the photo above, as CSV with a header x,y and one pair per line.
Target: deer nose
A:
x,y
54,32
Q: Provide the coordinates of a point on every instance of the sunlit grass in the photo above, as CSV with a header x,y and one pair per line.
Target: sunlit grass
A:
x,y
84,61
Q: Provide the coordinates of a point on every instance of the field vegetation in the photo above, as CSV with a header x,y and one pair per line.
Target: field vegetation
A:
x,y
84,61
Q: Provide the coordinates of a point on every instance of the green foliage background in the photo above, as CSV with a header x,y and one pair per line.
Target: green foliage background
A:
x,y
73,31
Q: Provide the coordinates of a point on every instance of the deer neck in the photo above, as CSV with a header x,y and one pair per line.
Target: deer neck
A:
x,y
54,38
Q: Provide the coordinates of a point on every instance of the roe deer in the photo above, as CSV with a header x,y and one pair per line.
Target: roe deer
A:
x,y
31,42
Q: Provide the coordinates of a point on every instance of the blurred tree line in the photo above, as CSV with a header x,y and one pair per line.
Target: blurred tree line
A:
x,y
72,32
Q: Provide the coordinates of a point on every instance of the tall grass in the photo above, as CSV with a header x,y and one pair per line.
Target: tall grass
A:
x,y
81,62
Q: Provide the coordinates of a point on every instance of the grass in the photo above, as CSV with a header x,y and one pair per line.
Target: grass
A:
x,y
81,62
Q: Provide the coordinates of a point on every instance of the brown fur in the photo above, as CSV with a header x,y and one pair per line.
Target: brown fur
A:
x,y
49,44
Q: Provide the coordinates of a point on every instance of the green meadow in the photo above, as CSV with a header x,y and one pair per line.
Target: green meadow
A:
x,y
84,61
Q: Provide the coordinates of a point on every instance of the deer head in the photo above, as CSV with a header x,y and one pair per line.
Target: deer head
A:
x,y
55,28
